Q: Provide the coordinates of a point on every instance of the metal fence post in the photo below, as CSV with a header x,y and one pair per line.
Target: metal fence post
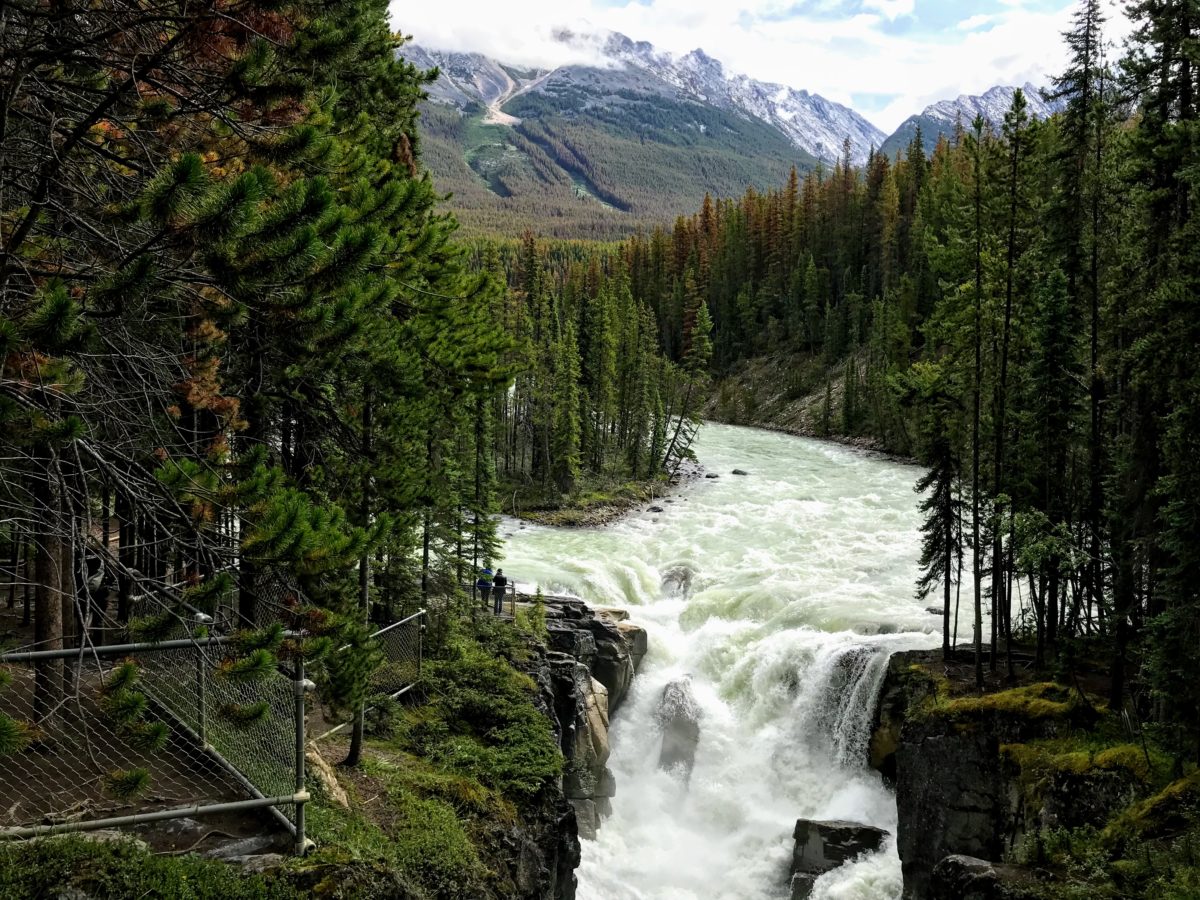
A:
x,y
201,699
300,685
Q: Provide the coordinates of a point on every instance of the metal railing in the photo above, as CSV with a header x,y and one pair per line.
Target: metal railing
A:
x,y
508,605
133,733
402,646
125,734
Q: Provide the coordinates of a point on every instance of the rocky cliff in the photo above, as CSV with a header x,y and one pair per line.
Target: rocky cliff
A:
x,y
593,655
981,779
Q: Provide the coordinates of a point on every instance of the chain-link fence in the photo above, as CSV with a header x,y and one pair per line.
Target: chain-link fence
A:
x,y
401,646
107,736
110,736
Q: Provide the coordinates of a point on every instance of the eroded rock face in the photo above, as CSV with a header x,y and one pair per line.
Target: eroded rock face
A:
x,y
596,640
950,799
961,793
679,716
823,846
636,640
591,667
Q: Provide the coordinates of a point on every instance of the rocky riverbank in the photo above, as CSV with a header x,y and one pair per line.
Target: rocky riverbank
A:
x,y
1036,791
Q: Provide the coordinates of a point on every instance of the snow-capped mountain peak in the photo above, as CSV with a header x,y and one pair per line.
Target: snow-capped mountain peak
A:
x,y
811,122
992,104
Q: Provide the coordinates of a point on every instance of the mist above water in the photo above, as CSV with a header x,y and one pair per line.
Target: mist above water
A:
x,y
782,594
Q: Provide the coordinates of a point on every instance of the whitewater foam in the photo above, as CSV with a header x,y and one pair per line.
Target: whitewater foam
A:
x,y
775,592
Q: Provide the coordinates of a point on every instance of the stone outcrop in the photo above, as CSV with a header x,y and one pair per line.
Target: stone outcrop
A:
x,y
678,715
968,878
950,799
595,640
975,781
593,657
823,846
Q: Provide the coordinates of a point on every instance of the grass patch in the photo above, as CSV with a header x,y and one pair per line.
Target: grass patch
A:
x,y
480,720
422,845
431,803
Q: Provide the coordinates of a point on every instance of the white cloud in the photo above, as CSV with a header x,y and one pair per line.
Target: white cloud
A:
x,y
976,21
837,58
891,9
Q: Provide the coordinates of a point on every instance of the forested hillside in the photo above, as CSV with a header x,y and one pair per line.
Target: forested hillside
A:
x,y
259,393
1017,312
248,380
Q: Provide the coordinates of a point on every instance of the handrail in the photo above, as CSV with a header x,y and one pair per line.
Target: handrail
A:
x,y
404,621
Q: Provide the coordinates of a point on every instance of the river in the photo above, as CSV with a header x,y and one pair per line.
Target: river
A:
x,y
782,594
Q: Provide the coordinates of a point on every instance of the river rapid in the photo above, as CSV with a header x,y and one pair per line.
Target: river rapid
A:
x,y
782,593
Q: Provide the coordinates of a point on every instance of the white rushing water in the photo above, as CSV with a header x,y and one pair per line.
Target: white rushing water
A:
x,y
781,593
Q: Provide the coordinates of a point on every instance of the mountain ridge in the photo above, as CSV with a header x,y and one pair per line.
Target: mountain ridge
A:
x,y
943,117
632,136
815,124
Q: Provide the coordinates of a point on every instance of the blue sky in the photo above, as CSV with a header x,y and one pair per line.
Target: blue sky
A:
x,y
886,58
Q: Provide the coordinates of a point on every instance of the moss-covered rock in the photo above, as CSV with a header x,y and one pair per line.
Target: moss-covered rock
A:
x,y
1173,810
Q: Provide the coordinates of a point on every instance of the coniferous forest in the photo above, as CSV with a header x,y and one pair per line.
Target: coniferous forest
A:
x,y
248,361
1015,311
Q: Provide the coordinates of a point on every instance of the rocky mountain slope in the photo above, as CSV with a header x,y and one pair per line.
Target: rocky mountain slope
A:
x,y
943,117
633,139
633,136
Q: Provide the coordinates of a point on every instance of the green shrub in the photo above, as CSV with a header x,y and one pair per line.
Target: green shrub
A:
x,y
481,720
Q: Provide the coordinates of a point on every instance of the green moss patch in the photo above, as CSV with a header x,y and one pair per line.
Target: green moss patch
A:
x,y
1175,809
119,869
1032,702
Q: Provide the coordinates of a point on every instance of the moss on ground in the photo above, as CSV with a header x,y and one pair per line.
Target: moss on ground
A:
x,y
1174,809
1044,700
119,869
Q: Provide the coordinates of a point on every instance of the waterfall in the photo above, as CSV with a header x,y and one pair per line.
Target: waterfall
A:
x,y
781,595
848,680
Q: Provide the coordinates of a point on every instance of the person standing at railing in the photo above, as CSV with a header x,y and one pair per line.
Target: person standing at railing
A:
x,y
499,586
484,584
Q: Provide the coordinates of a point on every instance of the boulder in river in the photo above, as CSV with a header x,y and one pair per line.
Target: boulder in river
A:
x,y
712,475
823,846
657,509
740,472
677,580
679,717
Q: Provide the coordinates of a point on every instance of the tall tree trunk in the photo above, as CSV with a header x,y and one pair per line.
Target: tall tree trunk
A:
x,y
48,592
1000,605
977,386
14,536
354,754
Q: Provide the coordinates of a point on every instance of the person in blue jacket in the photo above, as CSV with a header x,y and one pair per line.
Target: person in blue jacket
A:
x,y
484,585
